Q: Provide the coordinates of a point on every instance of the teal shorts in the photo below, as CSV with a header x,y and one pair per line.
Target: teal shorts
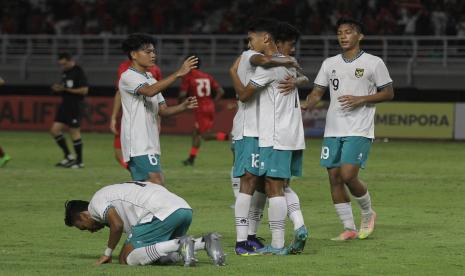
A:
x,y
246,154
140,166
337,151
280,163
174,226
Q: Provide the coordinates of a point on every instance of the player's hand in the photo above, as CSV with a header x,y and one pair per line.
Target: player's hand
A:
x,y
350,102
58,87
113,126
304,106
234,66
287,85
230,106
189,64
190,103
103,260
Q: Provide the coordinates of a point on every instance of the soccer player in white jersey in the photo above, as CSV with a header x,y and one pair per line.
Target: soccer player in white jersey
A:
x,y
281,136
155,220
286,38
245,133
356,81
142,101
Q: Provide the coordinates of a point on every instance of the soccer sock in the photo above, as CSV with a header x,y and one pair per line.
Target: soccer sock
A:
x,y
149,254
344,211
199,244
293,208
277,210
365,203
60,139
78,149
193,153
241,210
221,136
236,183
257,205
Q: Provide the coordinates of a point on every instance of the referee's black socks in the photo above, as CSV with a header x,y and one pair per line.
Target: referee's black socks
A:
x,y
62,144
78,149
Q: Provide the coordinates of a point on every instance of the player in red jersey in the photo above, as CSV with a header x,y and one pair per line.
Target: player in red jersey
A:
x,y
200,85
115,123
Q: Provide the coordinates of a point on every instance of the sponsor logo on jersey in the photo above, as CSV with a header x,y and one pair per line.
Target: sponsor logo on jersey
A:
x,y
359,72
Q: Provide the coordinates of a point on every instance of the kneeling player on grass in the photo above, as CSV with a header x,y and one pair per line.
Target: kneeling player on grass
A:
x,y
155,220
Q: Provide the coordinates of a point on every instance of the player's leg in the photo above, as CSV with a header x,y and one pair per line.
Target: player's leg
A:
x,y
331,159
356,150
206,125
245,167
293,206
257,205
149,242
4,158
117,148
146,168
196,141
75,133
275,166
235,181
57,133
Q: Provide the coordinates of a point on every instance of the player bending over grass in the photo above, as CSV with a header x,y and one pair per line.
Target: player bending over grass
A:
x,y
155,220
356,81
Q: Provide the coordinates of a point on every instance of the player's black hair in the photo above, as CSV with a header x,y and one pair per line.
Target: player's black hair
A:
x,y
72,210
65,55
264,25
198,59
350,21
136,42
287,32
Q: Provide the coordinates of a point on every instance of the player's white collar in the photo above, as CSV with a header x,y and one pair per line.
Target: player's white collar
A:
x,y
354,58
137,71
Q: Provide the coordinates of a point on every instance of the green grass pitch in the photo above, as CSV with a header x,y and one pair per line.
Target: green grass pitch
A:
x,y
417,190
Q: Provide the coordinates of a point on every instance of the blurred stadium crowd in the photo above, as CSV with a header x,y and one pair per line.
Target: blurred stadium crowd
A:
x,y
313,17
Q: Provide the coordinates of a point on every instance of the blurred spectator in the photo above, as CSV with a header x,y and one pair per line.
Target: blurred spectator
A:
x,y
314,17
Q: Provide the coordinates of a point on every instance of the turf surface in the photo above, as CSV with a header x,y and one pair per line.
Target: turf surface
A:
x,y
417,190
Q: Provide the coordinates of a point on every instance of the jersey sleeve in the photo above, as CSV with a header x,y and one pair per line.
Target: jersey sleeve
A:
x,y
381,75
160,99
322,78
98,207
131,83
250,53
121,68
262,77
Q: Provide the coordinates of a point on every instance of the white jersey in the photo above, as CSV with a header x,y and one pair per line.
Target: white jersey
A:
x,y
362,76
139,128
280,118
245,121
135,203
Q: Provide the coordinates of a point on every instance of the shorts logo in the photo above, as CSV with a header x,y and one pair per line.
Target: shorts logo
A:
x,y
262,165
360,156
255,160
359,72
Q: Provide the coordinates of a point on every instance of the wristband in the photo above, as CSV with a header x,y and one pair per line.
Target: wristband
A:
x,y
108,252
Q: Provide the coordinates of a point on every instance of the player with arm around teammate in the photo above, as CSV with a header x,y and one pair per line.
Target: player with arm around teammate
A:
x,y
356,81
155,220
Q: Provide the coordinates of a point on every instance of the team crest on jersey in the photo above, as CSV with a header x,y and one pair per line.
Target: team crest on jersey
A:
x,y
359,72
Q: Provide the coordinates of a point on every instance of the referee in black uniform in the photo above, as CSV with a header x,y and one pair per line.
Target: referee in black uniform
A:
x,y
73,88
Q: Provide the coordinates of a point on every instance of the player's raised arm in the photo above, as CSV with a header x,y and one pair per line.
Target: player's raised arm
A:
x,y
270,61
243,93
166,111
116,230
151,90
